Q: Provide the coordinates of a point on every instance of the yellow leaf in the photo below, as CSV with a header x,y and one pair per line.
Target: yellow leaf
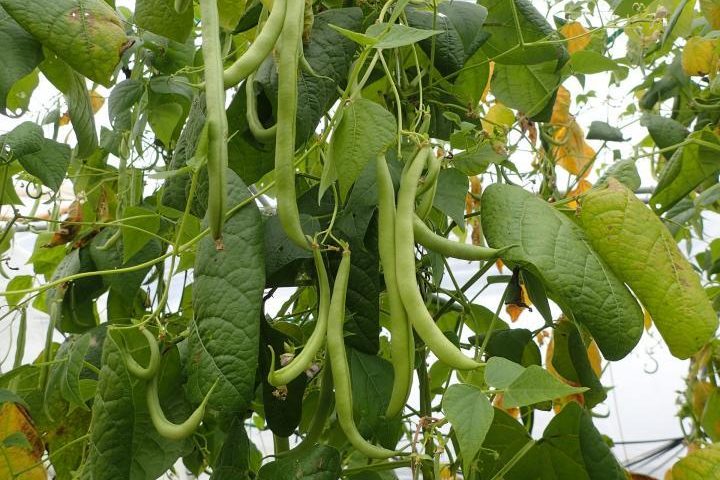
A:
x,y
517,306
700,57
582,187
700,392
498,117
561,110
577,35
595,358
711,11
485,92
572,152
64,119
96,100
499,264
647,319
498,402
13,421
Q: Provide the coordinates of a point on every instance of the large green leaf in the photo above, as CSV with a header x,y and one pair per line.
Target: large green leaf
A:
x,y
470,414
527,88
65,375
366,130
124,442
160,17
557,251
665,132
87,34
452,188
504,45
689,166
20,54
23,140
233,460
227,301
642,253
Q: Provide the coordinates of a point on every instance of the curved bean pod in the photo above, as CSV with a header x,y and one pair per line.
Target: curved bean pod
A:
x,y
402,347
340,369
450,248
287,64
217,156
165,427
260,48
301,363
145,373
261,134
413,301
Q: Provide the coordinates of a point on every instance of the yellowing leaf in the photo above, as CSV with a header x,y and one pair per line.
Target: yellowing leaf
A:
x,y
572,152
498,402
498,117
23,447
518,305
487,84
582,187
647,320
700,392
561,110
595,358
578,36
701,464
700,57
96,100
711,11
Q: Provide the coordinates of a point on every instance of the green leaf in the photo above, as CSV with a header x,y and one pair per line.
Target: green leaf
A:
x,y
624,171
230,12
21,282
44,260
558,253
320,463
504,44
535,385
65,375
124,442
233,461
699,465
24,139
227,301
397,35
20,54
19,96
710,419
477,158
122,98
470,414
49,164
146,223
665,132
460,33
527,88
589,62
17,439
452,187
87,34
372,383
470,83
357,37
603,131
689,166
501,372
160,17
366,130
642,253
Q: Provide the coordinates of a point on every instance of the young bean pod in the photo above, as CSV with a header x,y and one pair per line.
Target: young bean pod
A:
x,y
217,156
258,130
301,363
410,294
260,48
145,373
402,347
287,64
165,427
449,248
341,371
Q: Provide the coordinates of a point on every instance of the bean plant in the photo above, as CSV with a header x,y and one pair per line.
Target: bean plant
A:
x,y
208,158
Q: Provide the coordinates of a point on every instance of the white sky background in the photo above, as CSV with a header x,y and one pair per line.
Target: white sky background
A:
x,y
641,405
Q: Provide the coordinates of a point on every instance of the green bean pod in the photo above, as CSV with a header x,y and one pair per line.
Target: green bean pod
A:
x,y
301,363
287,64
260,48
217,156
165,427
450,248
410,294
145,373
402,346
261,134
341,371
426,192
